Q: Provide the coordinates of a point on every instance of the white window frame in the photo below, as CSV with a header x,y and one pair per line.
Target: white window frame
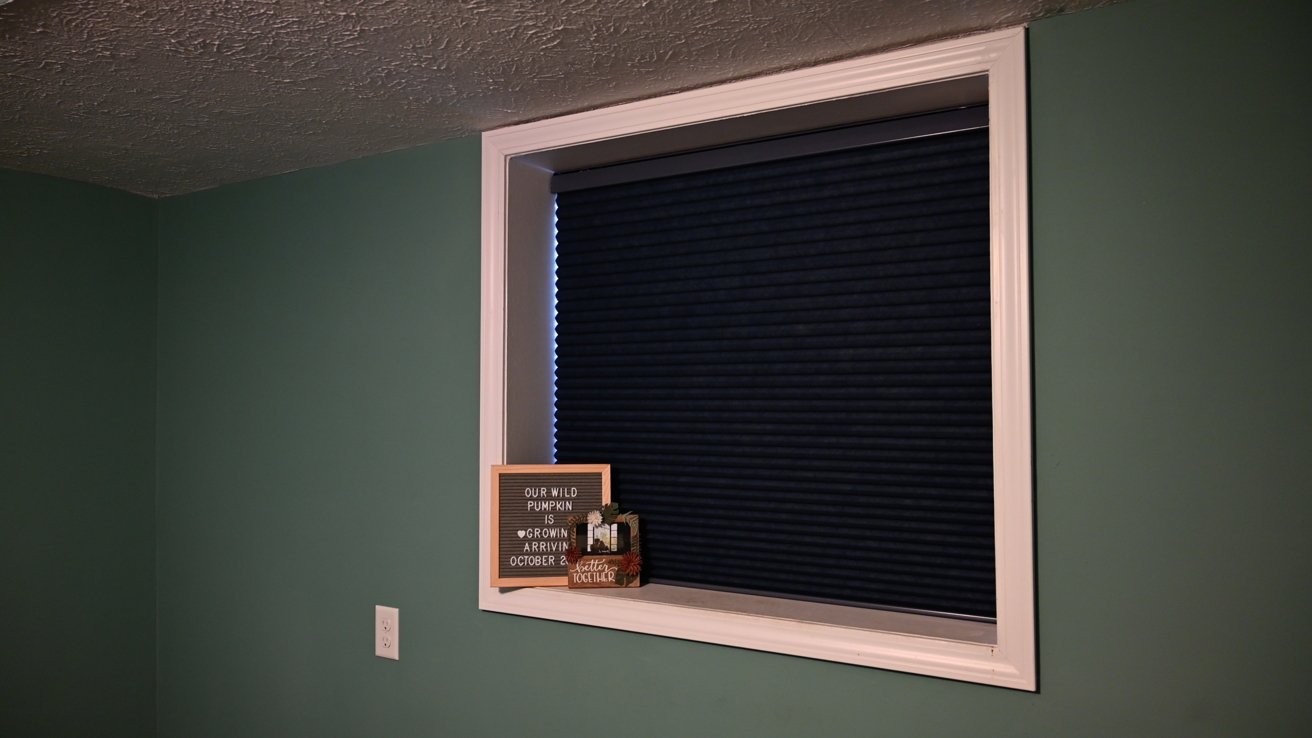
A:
x,y
515,392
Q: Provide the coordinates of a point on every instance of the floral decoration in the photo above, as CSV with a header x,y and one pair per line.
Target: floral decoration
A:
x,y
573,554
631,563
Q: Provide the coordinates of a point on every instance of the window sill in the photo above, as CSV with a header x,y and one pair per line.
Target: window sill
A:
x,y
948,629
921,644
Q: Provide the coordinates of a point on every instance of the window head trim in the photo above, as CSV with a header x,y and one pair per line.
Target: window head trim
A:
x,y
515,349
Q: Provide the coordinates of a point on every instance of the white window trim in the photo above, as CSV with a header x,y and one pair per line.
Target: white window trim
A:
x,y
517,163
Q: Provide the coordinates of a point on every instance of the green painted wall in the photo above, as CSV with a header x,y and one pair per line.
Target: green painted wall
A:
x,y
318,420
77,459
318,423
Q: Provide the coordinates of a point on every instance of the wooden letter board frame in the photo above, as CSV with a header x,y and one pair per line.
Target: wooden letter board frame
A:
x,y
544,472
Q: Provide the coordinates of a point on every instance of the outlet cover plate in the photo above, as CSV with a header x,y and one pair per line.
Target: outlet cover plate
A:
x,y
387,632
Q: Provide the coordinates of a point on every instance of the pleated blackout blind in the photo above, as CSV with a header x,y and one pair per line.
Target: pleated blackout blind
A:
x,y
787,364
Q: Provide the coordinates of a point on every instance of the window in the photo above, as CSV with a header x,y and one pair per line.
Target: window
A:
x,y
790,338
517,349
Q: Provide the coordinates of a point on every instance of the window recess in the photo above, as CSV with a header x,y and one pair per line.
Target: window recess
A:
x,y
783,350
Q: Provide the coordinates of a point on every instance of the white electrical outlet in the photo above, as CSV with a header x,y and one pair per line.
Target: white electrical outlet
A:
x,y
387,632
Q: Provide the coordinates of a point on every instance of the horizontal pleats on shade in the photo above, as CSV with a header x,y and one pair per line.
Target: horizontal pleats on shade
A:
x,y
787,365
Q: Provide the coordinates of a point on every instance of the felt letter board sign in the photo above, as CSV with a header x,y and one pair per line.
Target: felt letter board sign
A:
x,y
531,508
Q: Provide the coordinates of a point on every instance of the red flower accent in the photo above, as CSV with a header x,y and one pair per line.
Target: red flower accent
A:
x,y
572,554
631,564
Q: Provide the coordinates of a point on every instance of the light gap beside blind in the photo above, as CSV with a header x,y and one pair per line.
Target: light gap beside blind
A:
x,y
782,349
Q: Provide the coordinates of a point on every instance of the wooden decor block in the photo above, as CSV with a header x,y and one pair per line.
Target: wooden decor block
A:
x,y
604,549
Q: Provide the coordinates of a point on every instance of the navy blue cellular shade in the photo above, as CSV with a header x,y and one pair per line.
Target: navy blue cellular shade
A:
x,y
787,364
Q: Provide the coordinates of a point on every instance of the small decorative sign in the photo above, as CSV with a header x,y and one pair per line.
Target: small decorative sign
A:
x,y
531,508
604,549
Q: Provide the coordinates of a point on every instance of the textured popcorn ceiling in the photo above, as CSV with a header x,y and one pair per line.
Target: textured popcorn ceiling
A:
x,y
163,97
